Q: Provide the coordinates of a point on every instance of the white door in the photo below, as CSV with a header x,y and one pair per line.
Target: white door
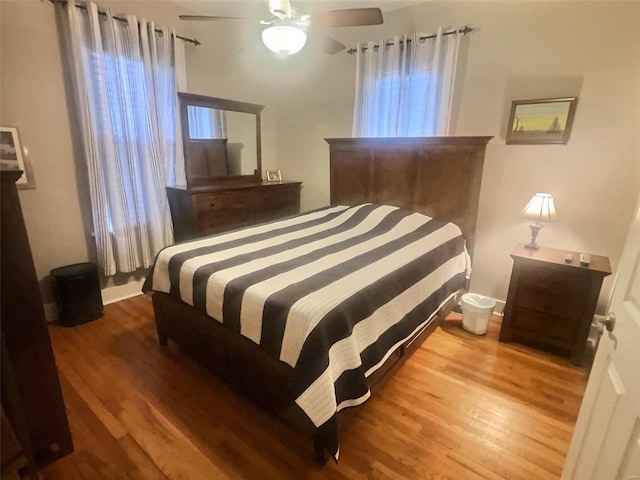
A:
x,y
606,439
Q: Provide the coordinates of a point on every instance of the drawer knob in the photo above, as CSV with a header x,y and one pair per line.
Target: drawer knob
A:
x,y
213,204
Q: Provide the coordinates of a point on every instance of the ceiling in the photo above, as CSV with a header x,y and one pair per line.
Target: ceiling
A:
x,y
256,8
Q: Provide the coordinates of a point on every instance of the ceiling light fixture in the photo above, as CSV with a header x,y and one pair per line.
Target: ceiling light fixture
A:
x,y
284,39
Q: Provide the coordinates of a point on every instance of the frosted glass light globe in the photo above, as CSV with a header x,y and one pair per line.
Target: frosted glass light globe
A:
x,y
284,39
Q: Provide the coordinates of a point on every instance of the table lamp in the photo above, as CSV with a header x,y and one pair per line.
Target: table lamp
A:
x,y
541,209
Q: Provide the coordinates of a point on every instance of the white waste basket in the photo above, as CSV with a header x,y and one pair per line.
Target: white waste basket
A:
x,y
476,312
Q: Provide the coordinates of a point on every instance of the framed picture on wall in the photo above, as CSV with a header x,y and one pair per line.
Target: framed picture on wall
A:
x,y
274,176
11,153
547,120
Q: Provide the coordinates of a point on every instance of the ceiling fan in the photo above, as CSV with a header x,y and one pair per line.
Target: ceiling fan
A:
x,y
286,30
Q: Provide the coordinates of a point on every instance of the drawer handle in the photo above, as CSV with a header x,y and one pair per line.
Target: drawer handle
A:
x,y
213,204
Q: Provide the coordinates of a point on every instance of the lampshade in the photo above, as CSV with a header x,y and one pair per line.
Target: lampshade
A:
x,y
541,208
284,39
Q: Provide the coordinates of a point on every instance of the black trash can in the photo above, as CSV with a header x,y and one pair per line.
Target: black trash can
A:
x,y
77,291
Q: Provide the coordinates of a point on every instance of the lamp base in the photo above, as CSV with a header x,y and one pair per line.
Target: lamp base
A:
x,y
535,229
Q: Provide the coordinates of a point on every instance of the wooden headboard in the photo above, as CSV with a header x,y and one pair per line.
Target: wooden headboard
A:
x,y
437,176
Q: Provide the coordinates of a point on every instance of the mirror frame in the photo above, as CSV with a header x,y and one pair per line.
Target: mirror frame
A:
x,y
192,99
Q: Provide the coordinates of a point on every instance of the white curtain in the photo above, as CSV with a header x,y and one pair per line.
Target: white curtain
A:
x,y
404,86
181,86
125,82
206,123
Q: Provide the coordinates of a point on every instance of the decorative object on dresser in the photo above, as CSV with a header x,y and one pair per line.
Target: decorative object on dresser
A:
x,y
552,299
274,176
547,120
11,154
541,209
31,394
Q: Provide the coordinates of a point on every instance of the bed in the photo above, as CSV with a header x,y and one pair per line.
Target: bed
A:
x,y
307,315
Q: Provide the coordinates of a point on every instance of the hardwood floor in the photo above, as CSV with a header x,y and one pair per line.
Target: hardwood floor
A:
x,y
463,407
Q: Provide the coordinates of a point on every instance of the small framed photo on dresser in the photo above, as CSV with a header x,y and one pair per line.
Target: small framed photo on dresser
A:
x,y
274,176
11,154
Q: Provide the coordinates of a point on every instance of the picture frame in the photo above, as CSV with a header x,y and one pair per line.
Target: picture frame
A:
x,y
541,121
11,154
274,176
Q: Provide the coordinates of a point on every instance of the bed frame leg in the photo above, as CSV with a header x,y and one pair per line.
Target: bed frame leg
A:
x,y
163,339
320,451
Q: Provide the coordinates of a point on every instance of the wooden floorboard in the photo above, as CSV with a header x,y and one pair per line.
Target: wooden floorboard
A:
x,y
462,407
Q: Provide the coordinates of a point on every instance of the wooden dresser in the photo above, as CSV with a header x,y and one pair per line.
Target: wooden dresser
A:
x,y
205,210
31,394
551,302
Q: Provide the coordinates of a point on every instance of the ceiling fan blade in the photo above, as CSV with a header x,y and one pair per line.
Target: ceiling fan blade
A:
x,y
212,18
327,44
352,17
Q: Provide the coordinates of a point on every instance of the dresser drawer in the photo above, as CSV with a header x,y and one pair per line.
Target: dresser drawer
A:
x,y
240,200
206,210
209,202
221,221
275,197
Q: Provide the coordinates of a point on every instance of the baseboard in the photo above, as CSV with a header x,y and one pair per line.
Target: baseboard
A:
x,y
115,293
499,308
51,312
117,299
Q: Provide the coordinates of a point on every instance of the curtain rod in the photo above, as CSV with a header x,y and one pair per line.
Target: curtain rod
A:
x,y
121,19
464,30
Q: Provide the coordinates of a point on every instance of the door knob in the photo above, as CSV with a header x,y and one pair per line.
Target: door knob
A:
x,y
608,321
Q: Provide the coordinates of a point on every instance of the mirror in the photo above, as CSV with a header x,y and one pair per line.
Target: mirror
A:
x,y
221,139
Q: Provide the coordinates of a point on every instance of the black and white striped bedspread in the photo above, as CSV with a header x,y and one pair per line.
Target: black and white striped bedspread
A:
x,y
331,292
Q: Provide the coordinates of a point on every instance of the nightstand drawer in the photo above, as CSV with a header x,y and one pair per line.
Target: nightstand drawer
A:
x,y
550,326
562,282
544,301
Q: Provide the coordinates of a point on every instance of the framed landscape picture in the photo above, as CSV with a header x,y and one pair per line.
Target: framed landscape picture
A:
x,y
11,153
547,120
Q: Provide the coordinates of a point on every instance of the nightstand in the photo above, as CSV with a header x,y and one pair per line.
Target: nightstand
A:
x,y
551,302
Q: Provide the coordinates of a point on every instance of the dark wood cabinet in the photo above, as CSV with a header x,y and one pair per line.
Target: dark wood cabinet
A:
x,y
205,210
31,394
551,301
